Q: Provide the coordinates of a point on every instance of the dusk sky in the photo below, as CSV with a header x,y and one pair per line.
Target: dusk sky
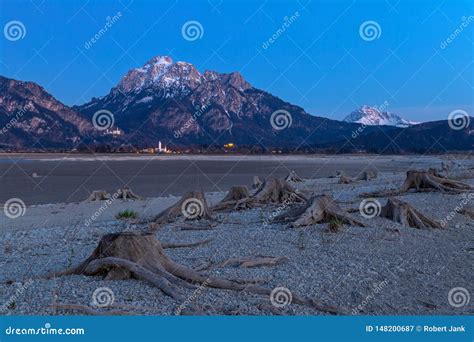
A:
x,y
419,64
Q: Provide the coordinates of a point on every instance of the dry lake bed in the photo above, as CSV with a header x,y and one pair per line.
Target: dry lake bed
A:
x,y
384,268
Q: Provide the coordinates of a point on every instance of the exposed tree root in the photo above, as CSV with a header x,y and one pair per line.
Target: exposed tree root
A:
x,y
235,194
141,256
250,262
319,209
403,213
126,193
425,181
98,195
183,245
193,206
293,177
367,175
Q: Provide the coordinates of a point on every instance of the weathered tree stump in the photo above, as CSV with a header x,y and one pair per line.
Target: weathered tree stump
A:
x,y
126,193
367,175
403,213
235,194
424,181
336,174
436,172
193,206
318,209
343,179
293,177
257,182
141,256
98,195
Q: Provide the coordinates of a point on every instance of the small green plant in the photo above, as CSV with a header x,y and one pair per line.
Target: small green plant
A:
x,y
127,214
335,225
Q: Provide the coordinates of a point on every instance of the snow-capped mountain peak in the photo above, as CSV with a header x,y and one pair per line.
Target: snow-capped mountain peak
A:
x,y
372,116
163,73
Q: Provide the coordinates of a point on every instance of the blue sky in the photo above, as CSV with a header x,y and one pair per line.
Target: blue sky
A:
x,y
320,61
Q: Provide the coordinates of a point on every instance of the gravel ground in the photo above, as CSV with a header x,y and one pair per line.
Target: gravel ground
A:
x,y
382,269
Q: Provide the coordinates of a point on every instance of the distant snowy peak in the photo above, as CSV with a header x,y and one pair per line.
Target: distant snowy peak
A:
x,y
161,72
371,116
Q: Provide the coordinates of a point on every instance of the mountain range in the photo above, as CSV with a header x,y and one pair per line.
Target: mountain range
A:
x,y
175,103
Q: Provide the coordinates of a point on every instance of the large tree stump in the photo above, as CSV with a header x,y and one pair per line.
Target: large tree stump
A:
x,y
98,195
193,206
293,177
270,192
403,213
318,209
141,256
126,193
425,181
367,175
235,194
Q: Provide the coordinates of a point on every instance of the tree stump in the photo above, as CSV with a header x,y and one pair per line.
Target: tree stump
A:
x,y
257,183
319,209
336,174
367,175
126,193
121,256
235,194
425,181
293,177
343,179
98,195
403,213
193,206
270,192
